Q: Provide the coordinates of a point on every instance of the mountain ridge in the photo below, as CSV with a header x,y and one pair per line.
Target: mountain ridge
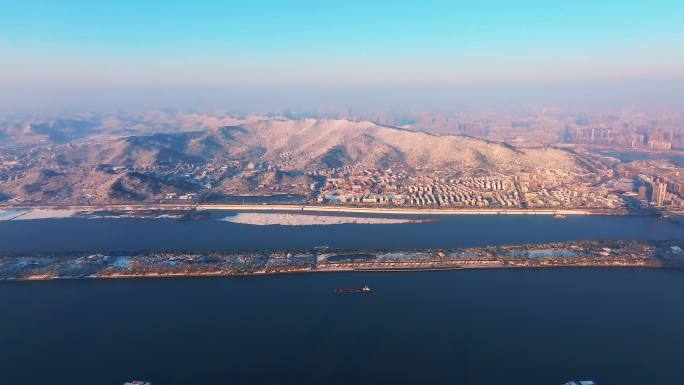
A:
x,y
306,143
262,157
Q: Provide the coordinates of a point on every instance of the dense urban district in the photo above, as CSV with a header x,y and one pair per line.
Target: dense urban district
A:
x,y
322,259
540,161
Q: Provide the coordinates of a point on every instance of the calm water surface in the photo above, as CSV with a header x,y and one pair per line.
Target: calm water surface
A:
x,y
619,327
629,156
73,234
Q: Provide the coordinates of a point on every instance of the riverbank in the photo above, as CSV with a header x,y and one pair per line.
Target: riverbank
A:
x,y
48,266
321,209
332,270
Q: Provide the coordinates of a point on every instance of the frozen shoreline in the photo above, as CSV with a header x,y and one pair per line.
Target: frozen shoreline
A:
x,y
320,208
28,214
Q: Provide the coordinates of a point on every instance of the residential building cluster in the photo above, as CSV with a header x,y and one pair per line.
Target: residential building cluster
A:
x,y
539,189
656,183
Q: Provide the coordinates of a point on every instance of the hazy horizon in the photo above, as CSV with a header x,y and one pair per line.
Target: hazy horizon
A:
x,y
268,56
571,97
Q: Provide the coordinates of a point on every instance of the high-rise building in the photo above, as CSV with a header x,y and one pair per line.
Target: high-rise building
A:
x,y
659,191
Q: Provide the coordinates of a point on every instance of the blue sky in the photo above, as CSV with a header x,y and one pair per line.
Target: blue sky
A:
x,y
392,54
338,42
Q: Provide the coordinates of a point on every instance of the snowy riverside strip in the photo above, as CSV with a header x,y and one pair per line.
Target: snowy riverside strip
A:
x,y
42,266
313,208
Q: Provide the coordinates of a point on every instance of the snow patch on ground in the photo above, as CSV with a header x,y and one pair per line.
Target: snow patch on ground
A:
x,y
46,214
121,262
6,215
265,219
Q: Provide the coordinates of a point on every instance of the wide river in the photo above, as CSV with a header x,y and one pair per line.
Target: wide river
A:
x,y
470,327
77,234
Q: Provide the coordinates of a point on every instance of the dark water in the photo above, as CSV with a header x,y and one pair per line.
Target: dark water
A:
x,y
629,156
487,327
72,234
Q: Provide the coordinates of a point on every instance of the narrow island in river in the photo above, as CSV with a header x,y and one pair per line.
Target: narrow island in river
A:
x,y
288,219
169,263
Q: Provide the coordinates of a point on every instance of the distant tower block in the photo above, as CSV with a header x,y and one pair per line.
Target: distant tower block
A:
x,y
659,191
